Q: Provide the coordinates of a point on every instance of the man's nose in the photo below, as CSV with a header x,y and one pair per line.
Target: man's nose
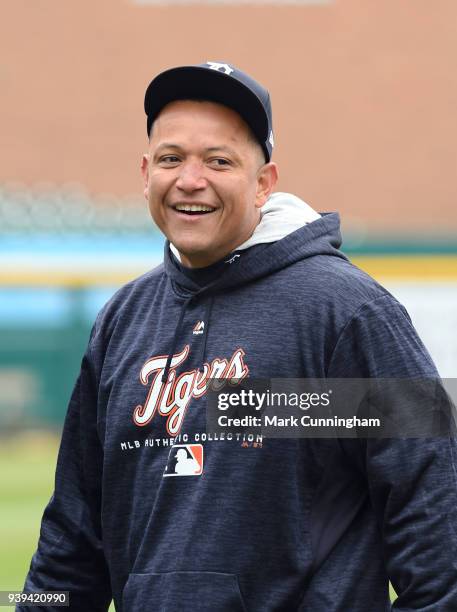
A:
x,y
191,176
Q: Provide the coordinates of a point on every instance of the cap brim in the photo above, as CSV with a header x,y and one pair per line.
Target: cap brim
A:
x,y
195,82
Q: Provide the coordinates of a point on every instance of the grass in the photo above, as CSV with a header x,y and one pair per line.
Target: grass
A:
x,y
27,464
26,483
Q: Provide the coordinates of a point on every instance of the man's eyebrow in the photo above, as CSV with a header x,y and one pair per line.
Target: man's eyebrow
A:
x,y
172,145
168,145
223,148
215,149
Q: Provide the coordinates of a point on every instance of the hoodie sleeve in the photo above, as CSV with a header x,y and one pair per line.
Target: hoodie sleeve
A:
x,y
70,555
412,482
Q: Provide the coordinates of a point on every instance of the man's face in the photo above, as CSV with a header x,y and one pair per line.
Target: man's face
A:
x,y
205,180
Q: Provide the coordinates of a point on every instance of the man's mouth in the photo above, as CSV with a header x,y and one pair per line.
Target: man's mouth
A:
x,y
194,209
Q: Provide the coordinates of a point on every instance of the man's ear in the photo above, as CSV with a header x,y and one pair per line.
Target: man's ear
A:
x,y
145,173
267,177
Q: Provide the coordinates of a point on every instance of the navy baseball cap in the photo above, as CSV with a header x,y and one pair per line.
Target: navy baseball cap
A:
x,y
217,82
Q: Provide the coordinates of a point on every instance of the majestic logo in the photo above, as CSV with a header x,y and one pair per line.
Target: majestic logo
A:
x,y
172,398
199,328
225,68
185,460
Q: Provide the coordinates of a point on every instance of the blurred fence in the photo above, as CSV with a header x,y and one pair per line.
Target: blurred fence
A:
x,y
63,254
70,209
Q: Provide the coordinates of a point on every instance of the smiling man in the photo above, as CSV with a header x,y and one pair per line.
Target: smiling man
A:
x,y
206,179
158,513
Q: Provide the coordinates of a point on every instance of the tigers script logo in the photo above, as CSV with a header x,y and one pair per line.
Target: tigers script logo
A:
x,y
171,399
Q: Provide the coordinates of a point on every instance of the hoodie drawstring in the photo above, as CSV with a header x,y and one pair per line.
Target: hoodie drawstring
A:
x,y
209,308
206,320
186,303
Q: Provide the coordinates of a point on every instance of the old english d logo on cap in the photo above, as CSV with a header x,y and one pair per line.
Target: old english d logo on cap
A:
x,y
225,68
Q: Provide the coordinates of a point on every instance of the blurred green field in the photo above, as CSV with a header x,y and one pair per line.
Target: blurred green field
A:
x,y
26,482
27,464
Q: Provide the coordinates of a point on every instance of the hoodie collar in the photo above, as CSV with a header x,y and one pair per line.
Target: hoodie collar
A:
x,y
282,214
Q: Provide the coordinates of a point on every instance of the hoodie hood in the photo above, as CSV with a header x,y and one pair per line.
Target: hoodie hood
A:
x,y
282,214
319,237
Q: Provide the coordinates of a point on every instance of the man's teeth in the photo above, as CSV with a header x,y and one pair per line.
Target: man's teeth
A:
x,y
193,208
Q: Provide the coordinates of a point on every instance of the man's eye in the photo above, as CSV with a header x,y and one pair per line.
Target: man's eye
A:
x,y
220,161
169,159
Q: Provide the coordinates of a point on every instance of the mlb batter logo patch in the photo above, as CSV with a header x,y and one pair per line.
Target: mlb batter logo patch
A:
x,y
185,460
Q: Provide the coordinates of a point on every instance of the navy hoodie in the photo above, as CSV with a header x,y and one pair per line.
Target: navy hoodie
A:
x,y
260,526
